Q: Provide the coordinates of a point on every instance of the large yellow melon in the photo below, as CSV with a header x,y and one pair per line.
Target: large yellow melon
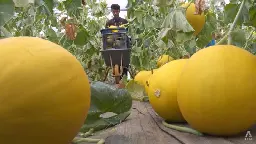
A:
x,y
216,94
45,93
163,88
141,77
196,21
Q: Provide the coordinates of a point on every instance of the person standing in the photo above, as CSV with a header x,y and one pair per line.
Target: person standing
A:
x,y
116,20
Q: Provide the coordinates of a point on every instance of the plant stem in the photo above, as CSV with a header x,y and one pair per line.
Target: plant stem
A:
x,y
145,98
141,99
234,23
89,133
182,129
189,4
61,39
248,39
223,40
78,140
90,140
228,35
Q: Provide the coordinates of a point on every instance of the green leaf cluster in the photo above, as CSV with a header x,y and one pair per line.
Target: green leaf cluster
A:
x,y
109,106
156,27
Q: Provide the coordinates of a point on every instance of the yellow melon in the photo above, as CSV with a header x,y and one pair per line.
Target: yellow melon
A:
x,y
162,90
113,27
122,26
196,21
45,93
216,94
142,76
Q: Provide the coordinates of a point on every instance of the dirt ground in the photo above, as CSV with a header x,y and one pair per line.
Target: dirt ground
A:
x,y
143,126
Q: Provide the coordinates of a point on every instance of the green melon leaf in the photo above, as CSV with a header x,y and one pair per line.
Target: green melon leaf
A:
x,y
109,107
6,11
82,36
137,91
238,37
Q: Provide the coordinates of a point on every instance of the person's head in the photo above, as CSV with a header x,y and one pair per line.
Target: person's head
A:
x,y
115,9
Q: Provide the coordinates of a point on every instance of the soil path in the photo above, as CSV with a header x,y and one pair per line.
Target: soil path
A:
x,y
143,126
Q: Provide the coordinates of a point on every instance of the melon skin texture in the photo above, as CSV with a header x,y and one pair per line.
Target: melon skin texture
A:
x,y
146,81
45,93
162,90
216,93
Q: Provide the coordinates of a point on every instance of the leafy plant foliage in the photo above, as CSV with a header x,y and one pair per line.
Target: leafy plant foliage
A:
x,y
156,26
109,106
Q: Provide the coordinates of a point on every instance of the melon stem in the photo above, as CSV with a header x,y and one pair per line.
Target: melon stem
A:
x,y
182,129
89,140
141,99
89,133
83,138
189,4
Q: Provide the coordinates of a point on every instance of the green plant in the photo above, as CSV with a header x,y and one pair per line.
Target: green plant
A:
x,y
157,27
151,26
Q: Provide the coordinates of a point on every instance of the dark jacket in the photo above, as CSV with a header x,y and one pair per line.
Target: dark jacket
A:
x,y
116,22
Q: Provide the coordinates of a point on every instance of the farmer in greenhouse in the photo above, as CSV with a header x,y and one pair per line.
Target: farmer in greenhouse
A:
x,y
116,20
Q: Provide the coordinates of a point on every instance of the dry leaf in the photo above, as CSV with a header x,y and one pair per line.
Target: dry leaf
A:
x,y
186,57
200,7
70,31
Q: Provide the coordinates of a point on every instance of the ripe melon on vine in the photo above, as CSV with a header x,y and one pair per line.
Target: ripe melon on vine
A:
x,y
163,60
45,93
196,21
162,90
142,78
216,93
